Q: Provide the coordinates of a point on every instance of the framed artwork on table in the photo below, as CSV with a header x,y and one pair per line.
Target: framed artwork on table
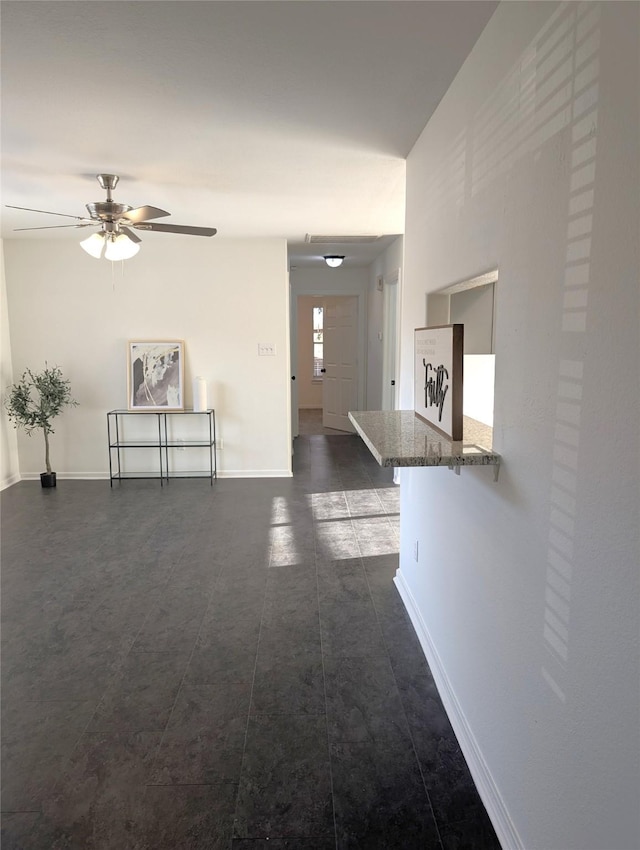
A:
x,y
438,378
155,375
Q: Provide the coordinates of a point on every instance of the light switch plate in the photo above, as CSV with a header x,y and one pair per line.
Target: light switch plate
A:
x,y
266,349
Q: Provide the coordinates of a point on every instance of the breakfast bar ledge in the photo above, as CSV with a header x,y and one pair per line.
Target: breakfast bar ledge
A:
x,y
400,438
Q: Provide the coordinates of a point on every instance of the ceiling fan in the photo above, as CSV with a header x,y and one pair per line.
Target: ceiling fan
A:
x,y
115,237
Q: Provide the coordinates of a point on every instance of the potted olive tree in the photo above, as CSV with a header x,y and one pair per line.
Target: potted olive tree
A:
x,y
34,402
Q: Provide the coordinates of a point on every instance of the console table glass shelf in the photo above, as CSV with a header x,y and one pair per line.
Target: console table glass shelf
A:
x,y
175,430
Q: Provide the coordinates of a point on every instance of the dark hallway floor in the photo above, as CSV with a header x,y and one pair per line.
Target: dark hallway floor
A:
x,y
221,667
310,422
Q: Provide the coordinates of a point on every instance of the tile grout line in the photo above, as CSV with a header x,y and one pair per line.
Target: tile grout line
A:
x,y
404,711
253,681
193,649
66,761
324,683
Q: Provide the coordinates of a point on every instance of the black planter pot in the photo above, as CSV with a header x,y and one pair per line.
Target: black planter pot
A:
x,y
48,479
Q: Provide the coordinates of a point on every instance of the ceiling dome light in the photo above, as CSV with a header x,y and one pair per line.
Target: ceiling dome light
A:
x,y
94,245
334,260
121,248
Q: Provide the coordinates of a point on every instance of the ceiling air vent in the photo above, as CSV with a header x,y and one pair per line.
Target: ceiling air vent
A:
x,y
341,240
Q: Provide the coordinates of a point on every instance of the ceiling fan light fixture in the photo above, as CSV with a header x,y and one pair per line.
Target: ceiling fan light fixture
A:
x,y
120,248
334,260
94,245
114,221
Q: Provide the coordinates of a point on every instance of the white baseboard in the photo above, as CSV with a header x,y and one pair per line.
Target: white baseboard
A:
x,y
487,788
104,476
10,481
69,476
255,473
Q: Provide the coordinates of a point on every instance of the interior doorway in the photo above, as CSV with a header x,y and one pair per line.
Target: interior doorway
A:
x,y
326,338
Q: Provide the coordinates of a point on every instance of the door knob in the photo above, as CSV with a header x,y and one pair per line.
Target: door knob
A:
x,y
293,377
323,370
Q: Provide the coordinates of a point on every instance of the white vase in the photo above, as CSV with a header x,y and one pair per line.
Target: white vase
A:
x,y
199,394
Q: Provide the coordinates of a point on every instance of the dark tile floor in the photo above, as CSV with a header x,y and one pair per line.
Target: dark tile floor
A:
x,y
221,667
310,422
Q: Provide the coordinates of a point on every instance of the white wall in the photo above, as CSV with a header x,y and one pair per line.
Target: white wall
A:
x,y
221,297
386,264
326,281
309,391
9,466
478,387
526,594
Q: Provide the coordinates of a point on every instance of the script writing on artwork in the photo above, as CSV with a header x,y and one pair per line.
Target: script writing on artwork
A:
x,y
435,389
438,378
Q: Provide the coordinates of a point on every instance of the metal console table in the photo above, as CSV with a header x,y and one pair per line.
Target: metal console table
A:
x,y
119,442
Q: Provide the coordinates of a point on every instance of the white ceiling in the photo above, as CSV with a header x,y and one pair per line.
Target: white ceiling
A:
x,y
260,118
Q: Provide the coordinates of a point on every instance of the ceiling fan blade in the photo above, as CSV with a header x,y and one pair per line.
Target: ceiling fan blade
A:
x,y
130,234
57,226
144,213
177,228
47,212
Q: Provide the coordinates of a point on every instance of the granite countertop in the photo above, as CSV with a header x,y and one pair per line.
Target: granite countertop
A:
x,y
400,438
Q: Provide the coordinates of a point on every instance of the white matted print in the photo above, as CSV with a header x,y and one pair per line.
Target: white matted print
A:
x,y
156,375
438,378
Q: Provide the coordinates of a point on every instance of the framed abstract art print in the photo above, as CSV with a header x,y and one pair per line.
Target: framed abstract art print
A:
x,y
155,376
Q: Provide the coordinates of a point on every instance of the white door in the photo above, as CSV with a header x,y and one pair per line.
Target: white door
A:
x,y
340,379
